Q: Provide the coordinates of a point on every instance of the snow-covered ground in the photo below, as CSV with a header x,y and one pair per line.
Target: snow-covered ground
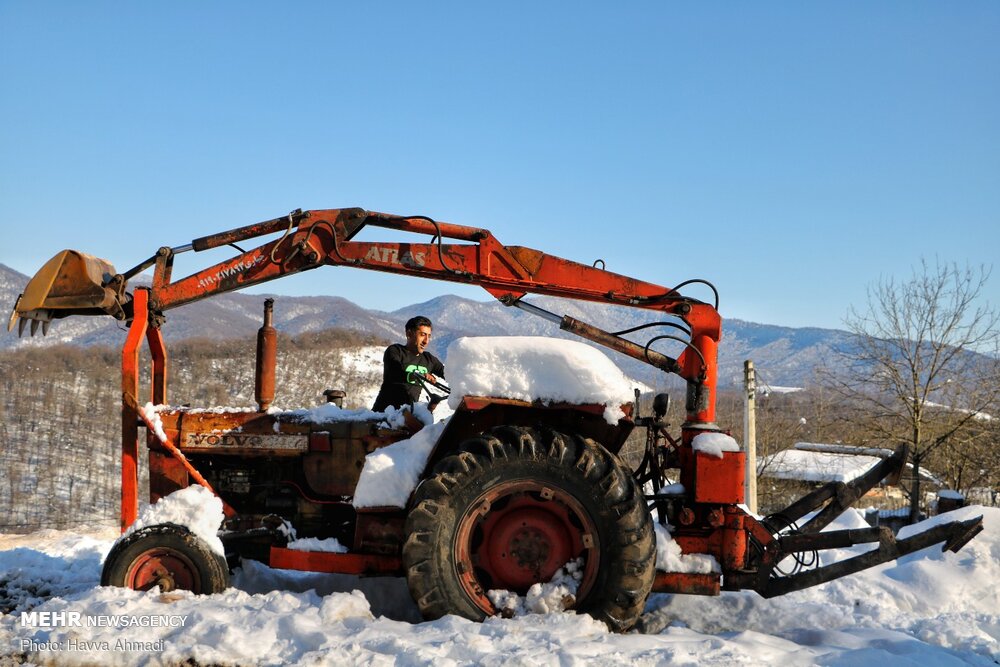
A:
x,y
929,608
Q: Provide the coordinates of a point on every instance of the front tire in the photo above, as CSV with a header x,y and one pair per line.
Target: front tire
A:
x,y
513,506
166,555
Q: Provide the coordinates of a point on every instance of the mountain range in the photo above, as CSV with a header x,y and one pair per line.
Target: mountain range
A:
x,y
784,356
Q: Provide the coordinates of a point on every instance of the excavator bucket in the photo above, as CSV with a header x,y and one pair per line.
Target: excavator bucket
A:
x,y
71,283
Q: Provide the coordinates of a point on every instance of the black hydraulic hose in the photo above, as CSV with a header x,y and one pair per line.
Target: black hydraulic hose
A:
x,y
436,237
675,294
652,324
704,364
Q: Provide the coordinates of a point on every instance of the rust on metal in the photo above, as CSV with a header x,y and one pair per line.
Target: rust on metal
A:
x,y
179,455
207,443
619,344
686,583
249,231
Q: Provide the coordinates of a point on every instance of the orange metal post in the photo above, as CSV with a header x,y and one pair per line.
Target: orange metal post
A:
x,y
158,352
130,420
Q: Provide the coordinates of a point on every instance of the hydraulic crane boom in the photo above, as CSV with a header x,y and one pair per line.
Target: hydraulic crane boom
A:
x,y
68,284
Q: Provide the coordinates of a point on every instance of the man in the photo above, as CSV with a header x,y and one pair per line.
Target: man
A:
x,y
402,364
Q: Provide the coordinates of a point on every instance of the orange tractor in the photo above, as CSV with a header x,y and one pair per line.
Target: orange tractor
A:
x,y
511,490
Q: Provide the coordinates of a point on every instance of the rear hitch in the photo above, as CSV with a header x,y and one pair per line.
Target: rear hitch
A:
x,y
790,540
954,535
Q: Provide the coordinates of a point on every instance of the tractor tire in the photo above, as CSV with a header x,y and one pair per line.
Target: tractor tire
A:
x,y
515,504
166,555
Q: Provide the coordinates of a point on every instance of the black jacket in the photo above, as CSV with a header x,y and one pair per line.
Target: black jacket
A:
x,y
398,386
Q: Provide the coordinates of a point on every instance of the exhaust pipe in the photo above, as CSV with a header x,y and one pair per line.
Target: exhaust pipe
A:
x,y
267,359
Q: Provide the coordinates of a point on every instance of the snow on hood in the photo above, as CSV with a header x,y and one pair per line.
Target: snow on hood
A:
x,y
532,368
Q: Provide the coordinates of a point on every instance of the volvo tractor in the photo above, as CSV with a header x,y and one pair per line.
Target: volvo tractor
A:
x,y
510,492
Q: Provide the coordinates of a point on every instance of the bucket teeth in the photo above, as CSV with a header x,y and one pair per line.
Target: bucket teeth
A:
x,y
39,318
36,322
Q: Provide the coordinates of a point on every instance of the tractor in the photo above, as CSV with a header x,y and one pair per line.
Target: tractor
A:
x,y
510,491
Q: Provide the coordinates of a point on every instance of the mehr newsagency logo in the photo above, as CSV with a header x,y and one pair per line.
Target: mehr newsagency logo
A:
x,y
75,619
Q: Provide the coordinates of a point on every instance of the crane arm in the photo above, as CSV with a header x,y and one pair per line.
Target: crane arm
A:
x,y
471,255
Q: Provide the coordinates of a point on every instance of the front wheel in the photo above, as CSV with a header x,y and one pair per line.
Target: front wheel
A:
x,y
165,555
512,507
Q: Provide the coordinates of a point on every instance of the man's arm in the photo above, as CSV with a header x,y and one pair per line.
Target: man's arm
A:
x,y
435,368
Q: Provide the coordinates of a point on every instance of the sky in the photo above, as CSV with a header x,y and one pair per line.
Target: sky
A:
x,y
792,154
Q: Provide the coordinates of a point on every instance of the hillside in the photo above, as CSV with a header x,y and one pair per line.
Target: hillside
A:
x,y
60,404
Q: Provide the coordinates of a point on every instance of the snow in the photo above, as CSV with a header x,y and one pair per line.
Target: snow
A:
x,y
558,594
714,444
670,559
950,494
329,412
929,608
776,389
391,418
329,545
829,448
532,368
150,413
391,473
194,507
812,466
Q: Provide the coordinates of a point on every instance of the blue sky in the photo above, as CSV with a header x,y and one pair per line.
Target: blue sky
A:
x,y
790,153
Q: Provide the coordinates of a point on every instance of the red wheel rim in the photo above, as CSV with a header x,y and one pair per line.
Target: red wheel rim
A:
x,y
519,533
167,568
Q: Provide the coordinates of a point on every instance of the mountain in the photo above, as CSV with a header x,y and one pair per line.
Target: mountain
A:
x,y
784,356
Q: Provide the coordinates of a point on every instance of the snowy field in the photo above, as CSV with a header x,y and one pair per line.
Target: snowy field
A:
x,y
929,608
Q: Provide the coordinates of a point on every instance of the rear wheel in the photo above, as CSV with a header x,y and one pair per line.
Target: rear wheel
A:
x,y
512,507
165,555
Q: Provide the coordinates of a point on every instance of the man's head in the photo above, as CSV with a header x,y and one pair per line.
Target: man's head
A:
x,y
418,334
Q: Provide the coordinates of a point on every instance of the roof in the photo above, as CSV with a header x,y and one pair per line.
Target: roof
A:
x,y
809,466
824,466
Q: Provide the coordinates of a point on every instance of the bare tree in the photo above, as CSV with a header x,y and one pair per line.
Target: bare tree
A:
x,y
925,361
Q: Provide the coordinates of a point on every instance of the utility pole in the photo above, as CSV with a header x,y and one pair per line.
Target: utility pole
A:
x,y
750,434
